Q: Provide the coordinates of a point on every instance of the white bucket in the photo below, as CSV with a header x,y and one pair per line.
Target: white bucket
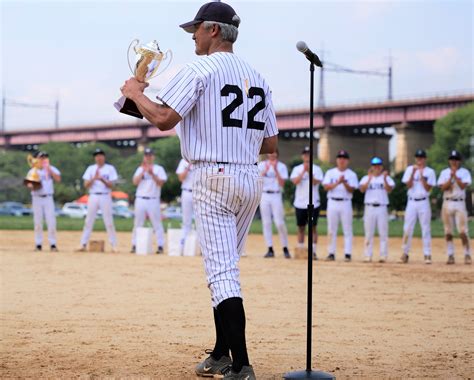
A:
x,y
174,246
144,241
191,246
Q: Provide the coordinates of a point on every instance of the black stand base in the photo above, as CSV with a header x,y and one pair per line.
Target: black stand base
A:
x,y
308,375
128,107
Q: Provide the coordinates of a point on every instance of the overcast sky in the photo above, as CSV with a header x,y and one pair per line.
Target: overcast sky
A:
x,y
76,50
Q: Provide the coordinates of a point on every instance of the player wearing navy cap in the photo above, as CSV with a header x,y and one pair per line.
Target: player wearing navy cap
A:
x,y
376,185
227,119
453,181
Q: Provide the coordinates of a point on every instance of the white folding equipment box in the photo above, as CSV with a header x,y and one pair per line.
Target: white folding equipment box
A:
x,y
144,241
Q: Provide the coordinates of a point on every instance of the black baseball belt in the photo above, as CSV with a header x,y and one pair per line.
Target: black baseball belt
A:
x,y
417,199
339,199
454,199
147,197
44,196
375,204
189,190
271,192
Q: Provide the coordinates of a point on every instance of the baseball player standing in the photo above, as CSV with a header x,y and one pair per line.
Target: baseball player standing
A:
x,y
300,177
340,182
99,180
227,119
274,175
376,185
453,182
149,178
185,176
419,179
43,202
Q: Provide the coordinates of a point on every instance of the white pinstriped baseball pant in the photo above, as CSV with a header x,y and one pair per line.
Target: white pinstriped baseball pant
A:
x,y
225,200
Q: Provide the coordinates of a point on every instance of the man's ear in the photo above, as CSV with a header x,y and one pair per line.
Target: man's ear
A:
x,y
215,30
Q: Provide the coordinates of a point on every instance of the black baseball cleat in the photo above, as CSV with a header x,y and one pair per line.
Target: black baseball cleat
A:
x,y
159,251
53,248
133,250
38,248
347,257
270,253
286,253
331,257
315,257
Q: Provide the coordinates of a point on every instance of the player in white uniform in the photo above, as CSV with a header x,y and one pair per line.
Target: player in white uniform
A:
x,y
99,180
149,178
340,182
274,175
227,119
300,177
453,182
185,176
419,179
376,185
43,202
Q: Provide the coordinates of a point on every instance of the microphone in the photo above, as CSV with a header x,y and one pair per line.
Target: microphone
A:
x,y
312,57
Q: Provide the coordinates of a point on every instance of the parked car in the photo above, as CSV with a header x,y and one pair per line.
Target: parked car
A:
x,y
120,211
172,212
14,209
74,210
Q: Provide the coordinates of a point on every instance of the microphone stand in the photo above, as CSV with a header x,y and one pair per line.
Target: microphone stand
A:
x,y
309,373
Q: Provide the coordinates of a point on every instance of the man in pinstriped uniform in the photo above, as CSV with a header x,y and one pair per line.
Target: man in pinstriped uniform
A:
x,y
227,119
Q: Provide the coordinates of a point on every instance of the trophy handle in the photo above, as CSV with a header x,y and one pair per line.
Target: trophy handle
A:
x,y
167,56
133,44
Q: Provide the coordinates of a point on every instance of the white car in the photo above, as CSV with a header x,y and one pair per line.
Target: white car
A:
x,y
74,210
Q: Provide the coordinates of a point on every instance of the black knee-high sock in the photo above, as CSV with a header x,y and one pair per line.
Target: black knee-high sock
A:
x,y
232,317
221,347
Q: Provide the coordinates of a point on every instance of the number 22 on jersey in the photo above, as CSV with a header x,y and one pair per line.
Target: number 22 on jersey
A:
x,y
228,121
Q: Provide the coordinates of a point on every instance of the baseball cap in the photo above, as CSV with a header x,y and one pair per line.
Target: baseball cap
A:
x,y
342,154
305,150
214,11
455,155
98,151
420,153
43,154
376,161
148,151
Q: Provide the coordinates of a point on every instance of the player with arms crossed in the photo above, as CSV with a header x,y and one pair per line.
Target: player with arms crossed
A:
x,y
43,202
149,178
227,119
99,180
340,182
453,182
274,175
376,185
419,179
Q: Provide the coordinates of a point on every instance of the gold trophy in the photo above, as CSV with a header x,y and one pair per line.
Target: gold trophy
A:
x,y
147,61
32,180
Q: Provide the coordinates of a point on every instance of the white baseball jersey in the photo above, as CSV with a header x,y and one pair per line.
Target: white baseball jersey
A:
x,y
47,182
147,186
107,172
376,193
270,180
224,91
332,176
455,191
227,111
187,184
302,188
417,191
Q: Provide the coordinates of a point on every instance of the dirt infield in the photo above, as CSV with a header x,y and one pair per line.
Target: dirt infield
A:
x,y
89,315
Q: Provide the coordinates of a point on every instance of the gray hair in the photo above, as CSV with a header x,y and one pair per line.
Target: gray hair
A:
x,y
228,32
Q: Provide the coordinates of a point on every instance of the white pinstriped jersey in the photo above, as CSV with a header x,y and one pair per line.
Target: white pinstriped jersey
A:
x,y
270,181
226,109
147,186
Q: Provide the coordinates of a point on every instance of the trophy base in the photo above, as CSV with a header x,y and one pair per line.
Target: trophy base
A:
x,y
33,185
128,107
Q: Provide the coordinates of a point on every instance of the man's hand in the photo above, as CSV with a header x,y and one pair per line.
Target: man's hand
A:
x,y
132,87
341,179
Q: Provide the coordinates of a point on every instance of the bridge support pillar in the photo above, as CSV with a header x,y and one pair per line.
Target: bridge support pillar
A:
x,y
409,139
361,143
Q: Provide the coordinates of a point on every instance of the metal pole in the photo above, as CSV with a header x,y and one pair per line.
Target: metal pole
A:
x,y
390,94
56,115
4,106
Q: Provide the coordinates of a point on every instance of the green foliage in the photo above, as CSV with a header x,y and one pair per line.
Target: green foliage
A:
x,y
454,131
13,168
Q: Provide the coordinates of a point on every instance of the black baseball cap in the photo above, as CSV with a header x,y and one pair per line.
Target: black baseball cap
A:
x,y
214,11
42,154
342,154
455,155
148,151
420,153
98,151
305,150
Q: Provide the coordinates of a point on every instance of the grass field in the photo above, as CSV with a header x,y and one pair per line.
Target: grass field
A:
x,y
69,224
